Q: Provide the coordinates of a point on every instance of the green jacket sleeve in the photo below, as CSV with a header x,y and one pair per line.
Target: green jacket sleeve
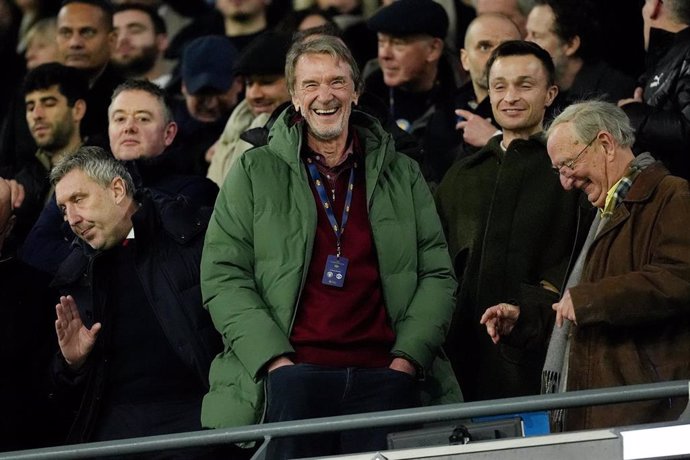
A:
x,y
228,278
423,328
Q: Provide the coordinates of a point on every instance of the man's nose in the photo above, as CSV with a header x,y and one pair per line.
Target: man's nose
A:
x,y
209,102
384,50
76,41
37,112
512,94
567,181
72,216
254,91
130,125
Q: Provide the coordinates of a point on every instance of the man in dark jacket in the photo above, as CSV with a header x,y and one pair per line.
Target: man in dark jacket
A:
x,y
510,228
135,342
55,100
660,107
417,79
569,30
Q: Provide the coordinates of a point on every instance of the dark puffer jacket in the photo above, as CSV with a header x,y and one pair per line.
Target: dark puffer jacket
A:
x,y
170,234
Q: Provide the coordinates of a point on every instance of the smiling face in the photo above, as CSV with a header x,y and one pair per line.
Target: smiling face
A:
x,y
51,120
265,92
409,61
96,214
137,126
519,94
85,40
589,173
324,93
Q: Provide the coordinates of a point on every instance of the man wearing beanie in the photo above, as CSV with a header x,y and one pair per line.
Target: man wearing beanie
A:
x,y
416,78
262,65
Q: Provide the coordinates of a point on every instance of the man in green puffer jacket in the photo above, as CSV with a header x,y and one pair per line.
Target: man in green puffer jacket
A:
x,y
325,269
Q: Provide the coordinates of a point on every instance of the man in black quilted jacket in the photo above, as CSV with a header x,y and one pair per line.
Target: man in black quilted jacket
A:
x,y
660,107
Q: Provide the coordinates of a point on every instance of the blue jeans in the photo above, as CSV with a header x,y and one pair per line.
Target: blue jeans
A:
x,y
307,391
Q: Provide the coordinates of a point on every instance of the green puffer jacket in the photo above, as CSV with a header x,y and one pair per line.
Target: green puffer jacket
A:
x,y
256,257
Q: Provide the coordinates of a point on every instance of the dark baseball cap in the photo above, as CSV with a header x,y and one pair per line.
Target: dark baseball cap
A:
x,y
208,62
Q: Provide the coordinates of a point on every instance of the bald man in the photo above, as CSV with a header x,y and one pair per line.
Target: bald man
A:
x,y
516,10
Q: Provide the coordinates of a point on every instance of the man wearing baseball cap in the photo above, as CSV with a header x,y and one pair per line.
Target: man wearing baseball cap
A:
x,y
211,91
417,77
262,66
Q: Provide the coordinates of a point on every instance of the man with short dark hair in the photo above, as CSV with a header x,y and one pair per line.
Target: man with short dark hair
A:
x,y
141,41
660,108
345,312
417,79
135,342
55,101
510,228
472,104
569,30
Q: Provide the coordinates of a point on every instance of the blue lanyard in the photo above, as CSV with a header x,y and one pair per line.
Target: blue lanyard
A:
x,y
328,206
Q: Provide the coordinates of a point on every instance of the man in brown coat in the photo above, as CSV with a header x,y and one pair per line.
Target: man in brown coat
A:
x,y
630,304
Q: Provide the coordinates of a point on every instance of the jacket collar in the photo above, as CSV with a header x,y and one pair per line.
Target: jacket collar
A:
x,y
287,134
645,183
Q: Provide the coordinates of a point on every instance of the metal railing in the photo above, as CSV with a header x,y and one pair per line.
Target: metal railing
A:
x,y
372,419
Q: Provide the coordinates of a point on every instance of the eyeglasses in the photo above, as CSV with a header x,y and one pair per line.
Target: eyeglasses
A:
x,y
570,163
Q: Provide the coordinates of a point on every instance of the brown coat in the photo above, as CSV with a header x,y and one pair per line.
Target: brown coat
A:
x,y
633,304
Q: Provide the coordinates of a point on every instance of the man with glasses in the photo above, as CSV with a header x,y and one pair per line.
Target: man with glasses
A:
x,y
511,229
624,318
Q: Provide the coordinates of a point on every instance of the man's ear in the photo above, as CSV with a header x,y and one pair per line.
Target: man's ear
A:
x,y
551,93
572,45
170,133
656,9
79,109
112,41
435,50
295,103
606,140
162,42
463,60
118,188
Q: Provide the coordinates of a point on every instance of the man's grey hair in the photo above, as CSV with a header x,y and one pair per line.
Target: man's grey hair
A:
x,y
97,164
590,117
324,44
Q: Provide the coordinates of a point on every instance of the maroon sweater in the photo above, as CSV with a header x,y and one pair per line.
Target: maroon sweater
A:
x,y
348,326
